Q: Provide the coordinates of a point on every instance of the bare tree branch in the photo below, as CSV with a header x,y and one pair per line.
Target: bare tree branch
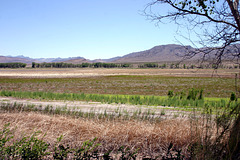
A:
x,y
219,23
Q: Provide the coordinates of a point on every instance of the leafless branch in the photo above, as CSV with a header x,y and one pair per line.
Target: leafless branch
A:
x,y
219,26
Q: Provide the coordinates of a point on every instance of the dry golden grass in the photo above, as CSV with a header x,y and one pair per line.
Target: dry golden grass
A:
x,y
151,138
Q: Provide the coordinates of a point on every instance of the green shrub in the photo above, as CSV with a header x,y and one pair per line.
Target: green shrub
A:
x,y
60,151
26,148
170,94
192,94
5,137
31,147
233,96
87,150
200,94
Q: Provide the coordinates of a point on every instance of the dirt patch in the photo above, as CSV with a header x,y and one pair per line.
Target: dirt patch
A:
x,y
73,72
97,107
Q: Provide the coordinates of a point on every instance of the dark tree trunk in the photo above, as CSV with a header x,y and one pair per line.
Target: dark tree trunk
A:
x,y
234,140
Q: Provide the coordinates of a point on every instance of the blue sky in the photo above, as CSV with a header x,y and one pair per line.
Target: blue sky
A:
x,y
69,28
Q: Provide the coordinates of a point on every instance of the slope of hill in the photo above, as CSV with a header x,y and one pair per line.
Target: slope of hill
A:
x,y
171,52
106,60
57,59
4,59
77,61
22,59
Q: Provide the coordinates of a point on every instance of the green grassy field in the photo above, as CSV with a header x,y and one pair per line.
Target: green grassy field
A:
x,y
122,84
187,104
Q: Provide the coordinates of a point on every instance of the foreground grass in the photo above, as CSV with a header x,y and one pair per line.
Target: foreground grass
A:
x,y
34,131
151,139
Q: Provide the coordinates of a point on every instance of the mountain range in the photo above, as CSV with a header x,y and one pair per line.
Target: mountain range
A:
x,y
161,53
28,60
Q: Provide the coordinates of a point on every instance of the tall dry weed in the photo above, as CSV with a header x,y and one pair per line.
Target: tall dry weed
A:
x,y
152,139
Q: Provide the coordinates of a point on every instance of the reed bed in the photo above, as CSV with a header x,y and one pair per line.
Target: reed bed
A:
x,y
176,101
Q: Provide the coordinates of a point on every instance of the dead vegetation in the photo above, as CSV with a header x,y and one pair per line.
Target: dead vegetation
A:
x,y
151,138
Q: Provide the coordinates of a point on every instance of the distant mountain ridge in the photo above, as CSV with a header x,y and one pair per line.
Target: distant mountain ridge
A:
x,y
161,53
57,59
6,59
28,60
106,60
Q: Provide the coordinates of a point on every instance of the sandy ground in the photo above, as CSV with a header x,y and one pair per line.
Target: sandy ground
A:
x,y
98,107
76,72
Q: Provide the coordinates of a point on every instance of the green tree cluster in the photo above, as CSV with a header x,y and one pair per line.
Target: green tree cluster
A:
x,y
13,65
148,65
83,65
